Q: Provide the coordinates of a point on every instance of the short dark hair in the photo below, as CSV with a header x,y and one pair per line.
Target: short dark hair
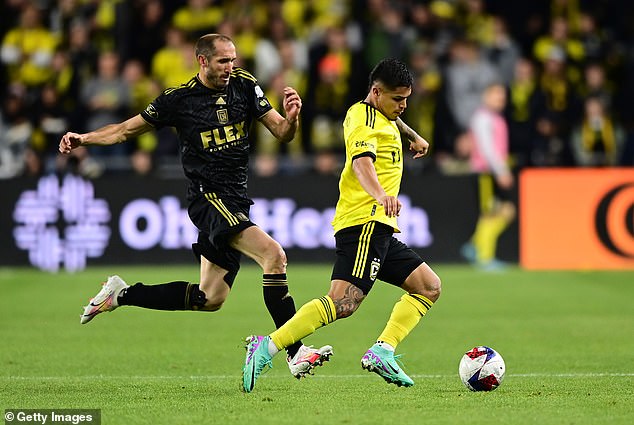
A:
x,y
392,73
206,45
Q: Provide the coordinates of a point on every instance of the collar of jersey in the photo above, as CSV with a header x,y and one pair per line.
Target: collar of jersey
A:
x,y
209,88
382,114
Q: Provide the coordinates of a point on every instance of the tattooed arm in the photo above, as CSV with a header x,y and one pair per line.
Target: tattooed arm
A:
x,y
416,142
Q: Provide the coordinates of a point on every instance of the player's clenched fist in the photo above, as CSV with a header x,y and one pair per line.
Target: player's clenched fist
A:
x,y
69,142
292,103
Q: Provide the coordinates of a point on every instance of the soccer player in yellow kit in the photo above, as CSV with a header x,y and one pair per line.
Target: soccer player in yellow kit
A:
x,y
364,223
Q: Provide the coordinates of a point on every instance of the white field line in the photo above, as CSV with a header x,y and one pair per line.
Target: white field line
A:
x,y
284,376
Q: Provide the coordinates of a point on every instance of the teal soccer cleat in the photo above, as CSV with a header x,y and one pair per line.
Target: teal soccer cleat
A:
x,y
383,362
257,359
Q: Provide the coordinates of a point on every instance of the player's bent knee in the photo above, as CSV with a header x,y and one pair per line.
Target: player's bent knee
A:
x,y
280,255
434,292
433,288
424,281
275,260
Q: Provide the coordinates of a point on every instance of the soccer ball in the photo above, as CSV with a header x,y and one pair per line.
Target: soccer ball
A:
x,y
482,369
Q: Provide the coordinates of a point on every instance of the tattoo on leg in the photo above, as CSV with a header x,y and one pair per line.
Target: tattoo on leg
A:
x,y
350,301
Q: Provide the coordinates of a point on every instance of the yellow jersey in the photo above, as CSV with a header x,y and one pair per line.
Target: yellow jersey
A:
x,y
367,132
35,47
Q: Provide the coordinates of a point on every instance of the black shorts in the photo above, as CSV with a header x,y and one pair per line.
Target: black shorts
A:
x,y
370,251
217,221
490,193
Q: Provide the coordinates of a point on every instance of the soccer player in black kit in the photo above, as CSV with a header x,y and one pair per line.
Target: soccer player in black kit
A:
x,y
212,114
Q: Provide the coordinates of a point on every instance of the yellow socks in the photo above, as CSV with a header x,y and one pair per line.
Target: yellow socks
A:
x,y
320,312
311,316
486,236
405,316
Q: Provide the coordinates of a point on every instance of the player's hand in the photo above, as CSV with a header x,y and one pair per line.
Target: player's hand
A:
x,y
420,146
505,181
69,142
292,104
391,205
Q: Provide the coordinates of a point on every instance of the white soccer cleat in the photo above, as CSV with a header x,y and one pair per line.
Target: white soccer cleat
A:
x,y
307,358
105,300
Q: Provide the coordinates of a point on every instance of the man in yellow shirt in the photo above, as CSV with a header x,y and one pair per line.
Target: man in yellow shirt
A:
x,y
28,49
364,223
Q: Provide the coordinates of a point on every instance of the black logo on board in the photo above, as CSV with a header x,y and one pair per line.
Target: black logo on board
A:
x,y
614,220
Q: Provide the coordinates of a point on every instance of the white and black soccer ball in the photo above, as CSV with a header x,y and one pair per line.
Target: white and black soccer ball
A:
x,y
482,369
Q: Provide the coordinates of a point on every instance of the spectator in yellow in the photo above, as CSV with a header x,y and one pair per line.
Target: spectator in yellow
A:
x,y
597,140
559,38
479,25
28,49
142,90
267,150
174,64
524,102
568,10
329,96
427,83
197,16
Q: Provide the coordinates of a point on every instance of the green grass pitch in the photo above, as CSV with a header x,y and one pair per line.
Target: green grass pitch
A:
x,y
567,339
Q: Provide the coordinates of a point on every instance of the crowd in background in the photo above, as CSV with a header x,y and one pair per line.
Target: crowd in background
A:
x,y
568,66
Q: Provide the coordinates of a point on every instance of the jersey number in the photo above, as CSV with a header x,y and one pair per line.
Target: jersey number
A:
x,y
396,157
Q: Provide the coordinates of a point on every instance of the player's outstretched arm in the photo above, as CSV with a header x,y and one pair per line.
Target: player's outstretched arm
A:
x,y
284,128
416,142
108,135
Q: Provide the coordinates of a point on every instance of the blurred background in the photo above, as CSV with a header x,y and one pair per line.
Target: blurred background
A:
x,y
567,65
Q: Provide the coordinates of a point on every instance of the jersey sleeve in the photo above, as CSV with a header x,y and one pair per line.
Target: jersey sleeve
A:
x,y
260,103
361,140
252,93
160,112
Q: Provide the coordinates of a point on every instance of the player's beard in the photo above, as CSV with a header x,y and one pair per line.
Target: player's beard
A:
x,y
217,80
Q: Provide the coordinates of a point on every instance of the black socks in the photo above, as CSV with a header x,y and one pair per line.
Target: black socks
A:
x,y
279,303
166,296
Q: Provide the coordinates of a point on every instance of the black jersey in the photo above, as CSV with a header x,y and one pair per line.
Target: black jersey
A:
x,y
213,129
